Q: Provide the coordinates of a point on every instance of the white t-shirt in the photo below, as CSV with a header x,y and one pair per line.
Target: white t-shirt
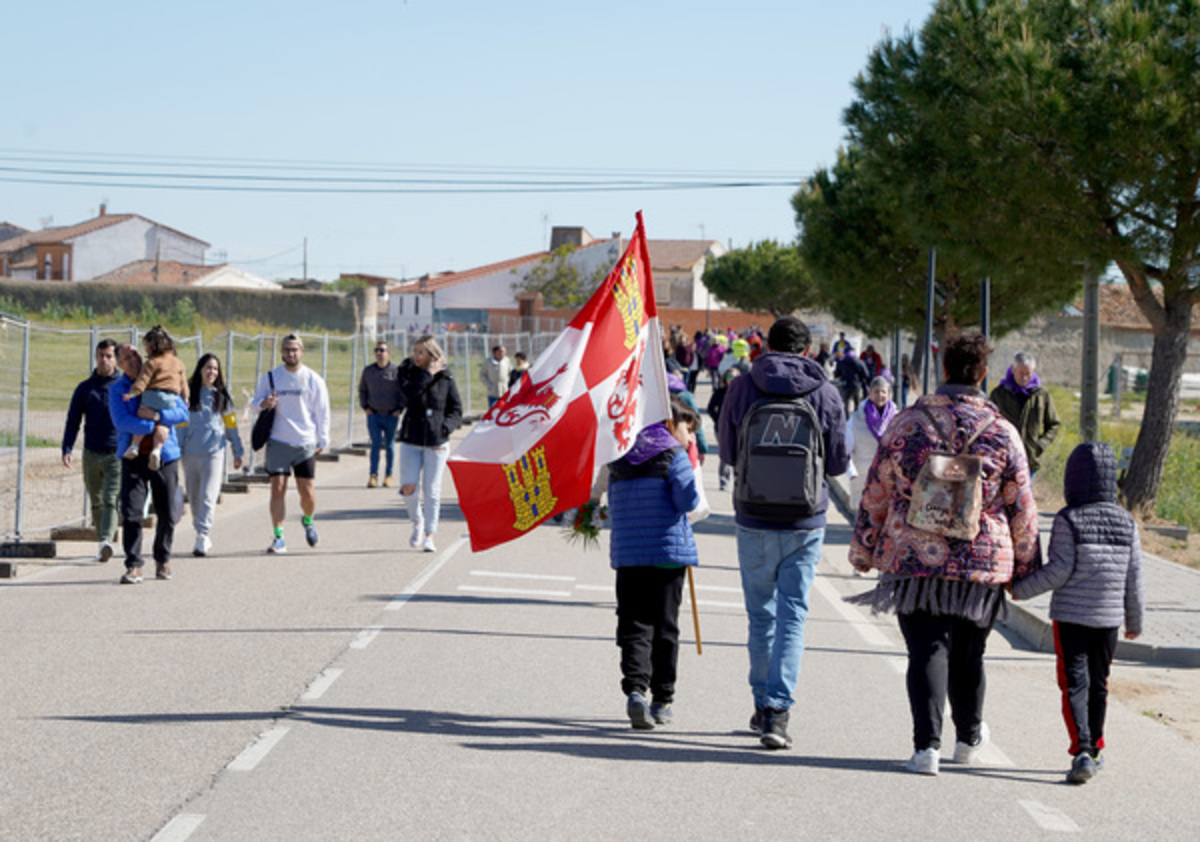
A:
x,y
302,414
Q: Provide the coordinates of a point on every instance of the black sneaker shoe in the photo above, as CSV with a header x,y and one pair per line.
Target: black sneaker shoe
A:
x,y
638,710
662,713
756,721
774,729
1083,769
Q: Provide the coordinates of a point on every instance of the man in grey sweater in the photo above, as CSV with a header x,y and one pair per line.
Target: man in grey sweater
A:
x,y
1095,571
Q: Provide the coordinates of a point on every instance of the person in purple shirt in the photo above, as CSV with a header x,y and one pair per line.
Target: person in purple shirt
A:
x,y
778,559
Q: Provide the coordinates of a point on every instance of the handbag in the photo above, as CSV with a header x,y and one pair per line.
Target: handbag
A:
x,y
264,422
947,495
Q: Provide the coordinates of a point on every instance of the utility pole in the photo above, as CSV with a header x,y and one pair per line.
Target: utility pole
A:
x,y
985,317
1089,412
928,353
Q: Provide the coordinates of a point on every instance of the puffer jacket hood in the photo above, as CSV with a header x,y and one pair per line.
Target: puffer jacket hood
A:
x,y
1091,474
787,374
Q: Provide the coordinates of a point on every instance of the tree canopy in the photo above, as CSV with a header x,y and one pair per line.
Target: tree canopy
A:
x,y
1029,139
561,283
766,277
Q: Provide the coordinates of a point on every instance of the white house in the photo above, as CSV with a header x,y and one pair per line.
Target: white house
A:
x,y
95,247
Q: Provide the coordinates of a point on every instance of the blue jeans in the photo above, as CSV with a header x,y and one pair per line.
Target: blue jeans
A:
x,y
778,567
382,427
423,467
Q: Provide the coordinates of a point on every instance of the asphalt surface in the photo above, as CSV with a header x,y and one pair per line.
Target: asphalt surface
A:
x,y
362,689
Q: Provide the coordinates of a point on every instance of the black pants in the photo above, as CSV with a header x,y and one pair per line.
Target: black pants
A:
x,y
945,659
648,628
1085,656
136,476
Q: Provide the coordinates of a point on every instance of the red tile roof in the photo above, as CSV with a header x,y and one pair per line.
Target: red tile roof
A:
x,y
70,232
673,255
170,272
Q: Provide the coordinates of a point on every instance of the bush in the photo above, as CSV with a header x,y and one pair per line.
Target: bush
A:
x,y
12,307
183,315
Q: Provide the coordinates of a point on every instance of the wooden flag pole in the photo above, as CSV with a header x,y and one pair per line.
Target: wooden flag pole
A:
x,y
695,616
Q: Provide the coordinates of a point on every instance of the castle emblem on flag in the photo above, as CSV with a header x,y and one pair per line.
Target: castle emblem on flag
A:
x,y
529,488
630,304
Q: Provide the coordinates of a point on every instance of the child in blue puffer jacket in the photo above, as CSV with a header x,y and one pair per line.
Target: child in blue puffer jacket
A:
x,y
651,489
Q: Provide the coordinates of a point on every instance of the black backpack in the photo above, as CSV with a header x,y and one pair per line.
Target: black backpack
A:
x,y
780,465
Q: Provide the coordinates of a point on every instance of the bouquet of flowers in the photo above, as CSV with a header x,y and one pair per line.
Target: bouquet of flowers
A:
x,y
586,524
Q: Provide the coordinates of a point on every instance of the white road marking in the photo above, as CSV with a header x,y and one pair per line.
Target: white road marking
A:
x,y
713,603
320,684
536,576
363,639
1049,818
714,588
991,755
513,591
868,630
178,828
900,665
253,754
603,588
416,584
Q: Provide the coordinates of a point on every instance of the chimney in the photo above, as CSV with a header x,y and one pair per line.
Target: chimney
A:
x,y
103,209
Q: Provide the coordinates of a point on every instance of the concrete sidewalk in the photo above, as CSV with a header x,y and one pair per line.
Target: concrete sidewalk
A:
x,y
1172,628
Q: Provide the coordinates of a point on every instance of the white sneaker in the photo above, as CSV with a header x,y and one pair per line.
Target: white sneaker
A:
x,y
418,531
924,762
104,552
966,754
427,545
203,545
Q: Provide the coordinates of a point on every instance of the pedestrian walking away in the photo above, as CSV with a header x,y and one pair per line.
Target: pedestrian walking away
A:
x,y
101,466
1028,406
433,410
211,425
651,489
379,396
138,474
1094,567
779,545
300,432
945,577
163,378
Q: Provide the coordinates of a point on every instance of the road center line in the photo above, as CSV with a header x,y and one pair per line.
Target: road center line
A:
x,y
870,633
1049,818
416,584
513,591
363,639
257,750
178,828
320,684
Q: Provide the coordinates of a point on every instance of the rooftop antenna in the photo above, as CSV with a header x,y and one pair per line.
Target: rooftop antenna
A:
x,y
47,221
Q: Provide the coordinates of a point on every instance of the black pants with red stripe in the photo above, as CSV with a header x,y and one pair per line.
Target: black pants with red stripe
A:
x,y
1085,655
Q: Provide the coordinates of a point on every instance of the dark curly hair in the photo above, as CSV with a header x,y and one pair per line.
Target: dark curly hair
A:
x,y
965,359
158,341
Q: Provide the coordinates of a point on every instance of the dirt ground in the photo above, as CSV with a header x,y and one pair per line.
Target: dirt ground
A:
x,y
1170,696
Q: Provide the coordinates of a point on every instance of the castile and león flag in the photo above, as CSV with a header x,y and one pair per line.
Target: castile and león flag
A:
x,y
579,406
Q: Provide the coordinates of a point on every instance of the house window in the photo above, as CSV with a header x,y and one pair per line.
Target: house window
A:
x,y
400,311
417,306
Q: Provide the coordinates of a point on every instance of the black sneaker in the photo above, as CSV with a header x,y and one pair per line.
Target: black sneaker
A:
x,y
1083,769
638,710
756,721
774,729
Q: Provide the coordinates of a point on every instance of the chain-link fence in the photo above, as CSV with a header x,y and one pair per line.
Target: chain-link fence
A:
x,y
40,367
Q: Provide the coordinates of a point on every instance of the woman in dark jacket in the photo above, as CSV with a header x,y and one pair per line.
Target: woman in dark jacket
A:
x,y
433,410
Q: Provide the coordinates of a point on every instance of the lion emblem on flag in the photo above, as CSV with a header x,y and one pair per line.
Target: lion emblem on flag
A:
x,y
622,403
530,399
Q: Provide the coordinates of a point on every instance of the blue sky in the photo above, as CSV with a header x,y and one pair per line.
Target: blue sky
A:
x,y
722,92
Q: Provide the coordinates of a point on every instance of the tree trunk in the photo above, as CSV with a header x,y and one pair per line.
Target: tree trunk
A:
x,y
1140,487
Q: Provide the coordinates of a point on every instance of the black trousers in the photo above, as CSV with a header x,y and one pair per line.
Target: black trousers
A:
x,y
136,477
945,659
1085,657
648,601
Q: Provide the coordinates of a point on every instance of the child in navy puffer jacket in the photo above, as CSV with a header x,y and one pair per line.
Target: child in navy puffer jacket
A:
x,y
1095,571
651,489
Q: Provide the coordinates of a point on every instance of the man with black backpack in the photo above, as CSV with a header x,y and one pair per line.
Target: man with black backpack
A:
x,y
783,428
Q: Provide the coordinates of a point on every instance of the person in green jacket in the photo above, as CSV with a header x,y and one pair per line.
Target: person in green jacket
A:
x,y
1027,404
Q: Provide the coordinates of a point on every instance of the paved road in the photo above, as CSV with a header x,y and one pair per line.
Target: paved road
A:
x,y
365,690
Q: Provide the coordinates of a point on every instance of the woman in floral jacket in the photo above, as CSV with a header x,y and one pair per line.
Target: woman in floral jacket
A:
x,y
947,592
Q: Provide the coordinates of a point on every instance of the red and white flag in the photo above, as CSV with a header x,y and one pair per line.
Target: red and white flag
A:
x,y
580,405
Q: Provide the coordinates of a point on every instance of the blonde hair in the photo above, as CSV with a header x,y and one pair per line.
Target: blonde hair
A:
x,y
431,346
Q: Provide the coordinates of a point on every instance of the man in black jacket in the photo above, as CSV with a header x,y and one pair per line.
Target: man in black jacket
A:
x,y
101,467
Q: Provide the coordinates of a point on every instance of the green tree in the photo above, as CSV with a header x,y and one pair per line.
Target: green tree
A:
x,y
1036,137
764,278
561,283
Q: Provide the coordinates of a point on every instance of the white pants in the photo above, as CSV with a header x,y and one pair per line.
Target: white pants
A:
x,y
423,467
